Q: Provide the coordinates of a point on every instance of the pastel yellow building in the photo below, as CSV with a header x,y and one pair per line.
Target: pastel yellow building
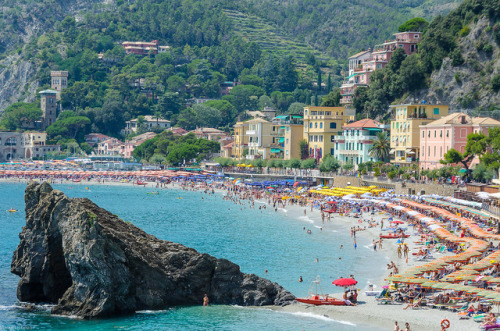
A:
x,y
321,124
240,139
405,129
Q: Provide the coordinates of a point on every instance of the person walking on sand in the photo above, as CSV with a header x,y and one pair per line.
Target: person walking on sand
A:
x,y
205,300
399,251
407,327
396,326
405,250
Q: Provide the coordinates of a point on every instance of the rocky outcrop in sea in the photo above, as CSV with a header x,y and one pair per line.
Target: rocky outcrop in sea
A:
x,y
92,264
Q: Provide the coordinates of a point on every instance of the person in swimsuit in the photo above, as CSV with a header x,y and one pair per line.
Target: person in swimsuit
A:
x,y
205,300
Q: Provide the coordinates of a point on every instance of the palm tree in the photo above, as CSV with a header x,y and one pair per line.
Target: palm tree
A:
x,y
381,147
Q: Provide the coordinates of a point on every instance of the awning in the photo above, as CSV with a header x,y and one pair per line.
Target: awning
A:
x,y
276,150
281,140
392,151
408,150
351,76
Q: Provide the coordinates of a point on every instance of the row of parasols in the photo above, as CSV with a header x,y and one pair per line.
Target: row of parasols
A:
x,y
475,249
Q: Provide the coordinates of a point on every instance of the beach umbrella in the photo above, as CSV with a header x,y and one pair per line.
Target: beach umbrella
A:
x,y
397,222
344,282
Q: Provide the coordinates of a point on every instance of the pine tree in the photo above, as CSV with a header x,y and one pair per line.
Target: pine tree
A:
x,y
329,83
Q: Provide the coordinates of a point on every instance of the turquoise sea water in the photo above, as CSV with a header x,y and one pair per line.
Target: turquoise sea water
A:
x,y
256,240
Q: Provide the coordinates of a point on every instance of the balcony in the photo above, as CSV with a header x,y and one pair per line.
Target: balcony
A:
x,y
349,152
253,144
251,132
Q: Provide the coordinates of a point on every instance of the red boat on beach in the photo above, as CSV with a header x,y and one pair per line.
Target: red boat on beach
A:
x,y
77,180
140,183
320,299
394,236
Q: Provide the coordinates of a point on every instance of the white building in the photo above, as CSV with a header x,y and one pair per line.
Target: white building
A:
x,y
149,123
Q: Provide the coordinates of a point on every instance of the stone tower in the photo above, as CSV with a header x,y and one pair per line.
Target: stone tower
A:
x,y
59,80
48,104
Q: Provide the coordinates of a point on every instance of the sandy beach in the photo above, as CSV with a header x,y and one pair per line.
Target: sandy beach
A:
x,y
368,311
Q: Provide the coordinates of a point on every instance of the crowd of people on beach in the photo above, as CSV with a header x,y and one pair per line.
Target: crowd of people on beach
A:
x,y
361,211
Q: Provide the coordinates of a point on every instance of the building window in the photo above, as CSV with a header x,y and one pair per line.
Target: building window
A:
x,y
429,135
441,151
436,111
287,141
315,125
310,138
315,139
434,133
333,125
423,133
321,125
434,151
332,138
321,139
441,134
332,151
310,125
429,151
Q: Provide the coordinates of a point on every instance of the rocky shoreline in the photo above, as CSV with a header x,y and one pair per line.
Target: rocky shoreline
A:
x,y
91,264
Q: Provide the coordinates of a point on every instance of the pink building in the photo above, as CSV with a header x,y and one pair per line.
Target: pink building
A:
x,y
94,138
209,133
363,64
438,137
110,146
131,144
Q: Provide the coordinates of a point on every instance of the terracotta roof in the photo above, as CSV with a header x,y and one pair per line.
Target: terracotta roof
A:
x,y
358,54
229,145
257,120
485,121
366,123
454,118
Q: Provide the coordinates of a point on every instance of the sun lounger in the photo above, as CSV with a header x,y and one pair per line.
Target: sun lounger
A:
x,y
415,304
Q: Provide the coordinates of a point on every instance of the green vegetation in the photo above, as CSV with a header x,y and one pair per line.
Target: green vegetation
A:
x,y
407,74
175,150
381,147
415,24
18,113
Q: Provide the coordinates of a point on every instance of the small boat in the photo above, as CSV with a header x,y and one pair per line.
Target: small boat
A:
x,y
315,297
77,180
394,236
140,183
12,210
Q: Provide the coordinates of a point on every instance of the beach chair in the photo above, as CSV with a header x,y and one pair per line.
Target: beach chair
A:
x,y
415,304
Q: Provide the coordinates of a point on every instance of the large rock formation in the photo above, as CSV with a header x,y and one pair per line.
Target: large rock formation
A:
x,y
92,264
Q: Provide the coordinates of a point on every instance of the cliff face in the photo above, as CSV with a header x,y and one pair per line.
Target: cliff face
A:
x,y
467,86
22,21
92,264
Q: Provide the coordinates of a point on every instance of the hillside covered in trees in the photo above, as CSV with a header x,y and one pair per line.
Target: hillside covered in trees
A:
x,y
223,40
458,64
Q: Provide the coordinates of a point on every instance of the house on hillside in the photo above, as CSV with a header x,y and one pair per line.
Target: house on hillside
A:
x,y
144,47
363,64
94,138
110,146
148,122
177,131
131,144
209,133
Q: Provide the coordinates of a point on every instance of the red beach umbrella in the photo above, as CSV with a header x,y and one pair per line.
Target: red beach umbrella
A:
x,y
344,282
397,222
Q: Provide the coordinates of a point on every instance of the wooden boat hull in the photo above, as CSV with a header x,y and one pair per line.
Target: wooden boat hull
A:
x,y
322,302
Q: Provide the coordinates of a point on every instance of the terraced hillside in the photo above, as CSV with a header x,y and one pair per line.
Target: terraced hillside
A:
x,y
253,28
